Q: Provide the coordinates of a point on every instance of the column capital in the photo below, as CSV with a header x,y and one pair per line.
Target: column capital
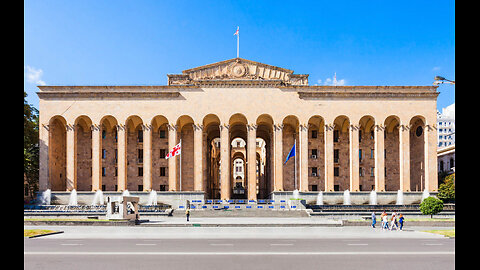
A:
x,y
172,127
121,127
70,127
405,127
251,127
354,127
224,126
379,127
303,127
95,127
430,127
197,126
146,127
330,127
278,127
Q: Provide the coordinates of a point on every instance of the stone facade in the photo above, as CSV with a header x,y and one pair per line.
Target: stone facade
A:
x,y
358,138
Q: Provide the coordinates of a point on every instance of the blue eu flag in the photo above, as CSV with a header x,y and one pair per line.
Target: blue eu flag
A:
x,y
291,154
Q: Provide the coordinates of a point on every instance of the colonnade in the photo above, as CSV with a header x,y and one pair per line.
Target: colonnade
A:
x,y
278,150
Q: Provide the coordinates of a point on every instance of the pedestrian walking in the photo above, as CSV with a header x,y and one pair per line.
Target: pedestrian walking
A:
x,y
401,220
393,222
385,222
187,213
396,216
374,219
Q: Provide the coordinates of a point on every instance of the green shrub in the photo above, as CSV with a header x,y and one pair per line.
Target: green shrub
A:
x,y
431,206
446,191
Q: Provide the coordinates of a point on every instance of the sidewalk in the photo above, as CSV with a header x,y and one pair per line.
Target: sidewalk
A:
x,y
240,222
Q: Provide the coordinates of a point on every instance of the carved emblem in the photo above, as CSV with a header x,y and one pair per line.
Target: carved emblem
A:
x,y
239,70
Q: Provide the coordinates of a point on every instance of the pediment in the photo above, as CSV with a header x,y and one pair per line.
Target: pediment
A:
x,y
239,70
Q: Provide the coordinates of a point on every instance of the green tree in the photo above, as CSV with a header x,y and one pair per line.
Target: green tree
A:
x,y
446,191
431,206
30,145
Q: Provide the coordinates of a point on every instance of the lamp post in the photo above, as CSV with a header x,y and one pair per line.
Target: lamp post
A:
x,y
440,79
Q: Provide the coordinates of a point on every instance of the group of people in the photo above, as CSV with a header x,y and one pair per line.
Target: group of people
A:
x,y
394,222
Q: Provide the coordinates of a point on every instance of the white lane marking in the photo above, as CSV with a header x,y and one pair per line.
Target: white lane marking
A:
x,y
361,244
145,244
242,253
71,244
212,244
281,244
433,244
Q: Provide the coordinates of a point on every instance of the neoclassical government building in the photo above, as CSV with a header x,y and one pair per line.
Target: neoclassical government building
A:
x,y
237,121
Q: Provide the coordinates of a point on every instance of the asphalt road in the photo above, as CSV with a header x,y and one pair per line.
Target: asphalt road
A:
x,y
236,253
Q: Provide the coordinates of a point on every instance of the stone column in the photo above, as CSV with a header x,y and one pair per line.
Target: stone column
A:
x,y
303,157
252,161
172,164
329,178
147,157
354,158
379,158
96,157
71,158
404,147
430,155
224,162
44,166
198,157
278,157
122,157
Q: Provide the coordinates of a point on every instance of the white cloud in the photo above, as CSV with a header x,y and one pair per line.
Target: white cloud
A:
x,y
34,75
436,68
329,81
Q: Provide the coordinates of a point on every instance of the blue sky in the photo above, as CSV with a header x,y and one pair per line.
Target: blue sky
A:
x,y
139,42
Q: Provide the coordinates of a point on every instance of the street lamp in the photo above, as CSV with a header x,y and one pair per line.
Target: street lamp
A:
x,y
440,79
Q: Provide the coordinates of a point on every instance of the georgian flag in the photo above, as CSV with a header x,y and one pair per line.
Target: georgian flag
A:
x,y
177,149
236,33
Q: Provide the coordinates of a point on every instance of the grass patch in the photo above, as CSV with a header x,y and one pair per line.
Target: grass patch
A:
x,y
446,233
30,233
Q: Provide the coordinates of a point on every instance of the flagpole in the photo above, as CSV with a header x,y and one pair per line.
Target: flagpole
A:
x,y
295,144
238,44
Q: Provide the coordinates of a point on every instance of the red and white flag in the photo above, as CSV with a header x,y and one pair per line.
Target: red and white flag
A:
x,y
177,149
236,32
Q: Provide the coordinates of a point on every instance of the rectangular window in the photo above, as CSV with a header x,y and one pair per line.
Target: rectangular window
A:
x,y
336,171
140,187
163,187
336,188
359,136
335,155
116,155
104,153
314,171
140,171
314,134
116,136
104,171
335,136
140,156
372,153
116,172
372,171
163,171
314,188
140,135
104,132
103,187
360,171
314,154
360,155
163,153
162,134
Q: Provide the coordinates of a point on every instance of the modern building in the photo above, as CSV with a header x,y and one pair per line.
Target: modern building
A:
x,y
446,126
360,138
446,159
